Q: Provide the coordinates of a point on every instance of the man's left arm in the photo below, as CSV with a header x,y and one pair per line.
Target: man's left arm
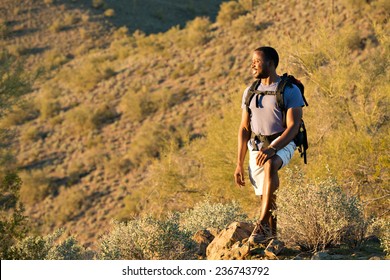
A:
x,y
293,121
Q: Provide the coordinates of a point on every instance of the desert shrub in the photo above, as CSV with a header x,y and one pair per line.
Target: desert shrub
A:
x,y
122,44
104,114
148,44
357,4
13,223
357,104
4,29
54,58
69,203
248,5
35,187
17,50
211,215
117,165
137,105
171,178
56,26
14,82
133,205
197,31
184,69
47,102
31,134
148,143
147,239
70,19
381,228
89,73
109,13
97,4
171,97
49,108
243,25
18,115
229,11
85,118
218,155
80,118
47,247
319,214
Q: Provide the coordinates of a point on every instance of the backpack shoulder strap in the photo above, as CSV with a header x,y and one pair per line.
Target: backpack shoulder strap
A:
x,y
280,95
251,92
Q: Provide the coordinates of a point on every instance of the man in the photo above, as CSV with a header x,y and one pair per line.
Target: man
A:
x,y
273,146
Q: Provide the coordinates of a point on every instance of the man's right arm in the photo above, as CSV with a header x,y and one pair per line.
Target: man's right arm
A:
x,y
244,134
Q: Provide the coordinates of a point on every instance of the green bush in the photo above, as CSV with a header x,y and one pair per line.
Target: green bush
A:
x,y
31,134
69,203
229,11
89,73
148,143
56,26
97,4
197,31
109,13
4,29
85,118
147,239
18,115
35,187
14,82
381,228
244,25
319,214
47,247
47,102
54,58
137,106
211,215
13,223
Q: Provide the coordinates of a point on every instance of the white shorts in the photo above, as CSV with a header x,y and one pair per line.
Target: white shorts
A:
x,y
256,173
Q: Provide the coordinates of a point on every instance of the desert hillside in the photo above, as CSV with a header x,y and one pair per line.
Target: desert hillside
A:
x,y
134,107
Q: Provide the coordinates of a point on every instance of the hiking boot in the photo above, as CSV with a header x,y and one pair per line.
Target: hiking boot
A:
x,y
274,248
260,235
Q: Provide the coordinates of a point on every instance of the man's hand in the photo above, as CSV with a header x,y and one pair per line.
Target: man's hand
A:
x,y
239,176
264,155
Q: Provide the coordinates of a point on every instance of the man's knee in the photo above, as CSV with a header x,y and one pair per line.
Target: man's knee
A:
x,y
273,164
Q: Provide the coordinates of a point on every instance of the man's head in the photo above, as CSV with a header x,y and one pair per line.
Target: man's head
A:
x,y
264,61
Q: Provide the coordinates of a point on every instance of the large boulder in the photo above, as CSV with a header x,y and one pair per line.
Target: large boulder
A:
x,y
203,238
228,243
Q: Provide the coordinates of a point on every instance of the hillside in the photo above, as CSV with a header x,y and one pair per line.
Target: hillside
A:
x,y
122,124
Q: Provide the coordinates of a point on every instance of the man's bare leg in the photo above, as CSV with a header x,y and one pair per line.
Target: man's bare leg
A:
x,y
268,199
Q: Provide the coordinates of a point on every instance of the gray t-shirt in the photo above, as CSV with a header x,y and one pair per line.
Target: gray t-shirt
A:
x,y
267,118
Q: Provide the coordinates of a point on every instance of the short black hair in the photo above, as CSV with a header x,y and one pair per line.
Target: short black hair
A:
x,y
270,54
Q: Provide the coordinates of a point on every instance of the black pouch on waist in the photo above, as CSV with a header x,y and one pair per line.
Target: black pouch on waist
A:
x,y
267,140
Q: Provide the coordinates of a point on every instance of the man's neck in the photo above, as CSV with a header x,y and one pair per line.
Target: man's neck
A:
x,y
273,78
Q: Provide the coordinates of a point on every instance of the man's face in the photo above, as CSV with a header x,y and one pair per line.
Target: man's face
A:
x,y
260,66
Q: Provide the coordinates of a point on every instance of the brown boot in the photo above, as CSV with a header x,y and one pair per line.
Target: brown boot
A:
x,y
261,234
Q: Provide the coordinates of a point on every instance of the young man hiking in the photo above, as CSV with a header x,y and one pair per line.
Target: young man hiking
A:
x,y
273,145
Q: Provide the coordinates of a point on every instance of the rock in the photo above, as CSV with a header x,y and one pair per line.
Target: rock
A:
x,y
337,257
274,248
376,258
203,238
321,256
239,253
221,246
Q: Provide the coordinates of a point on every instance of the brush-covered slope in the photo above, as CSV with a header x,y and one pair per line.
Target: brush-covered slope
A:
x,y
123,124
